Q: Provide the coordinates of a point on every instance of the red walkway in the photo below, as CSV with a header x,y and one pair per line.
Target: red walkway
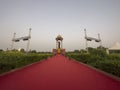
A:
x,y
57,73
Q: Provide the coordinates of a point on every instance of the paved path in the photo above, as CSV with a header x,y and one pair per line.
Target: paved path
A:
x,y
57,73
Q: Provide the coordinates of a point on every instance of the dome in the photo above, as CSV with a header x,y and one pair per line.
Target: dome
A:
x,y
59,37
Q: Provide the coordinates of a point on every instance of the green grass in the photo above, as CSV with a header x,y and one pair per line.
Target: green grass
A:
x,y
12,60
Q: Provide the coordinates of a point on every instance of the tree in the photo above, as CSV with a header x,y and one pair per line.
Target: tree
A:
x,y
33,51
82,51
1,50
22,50
76,51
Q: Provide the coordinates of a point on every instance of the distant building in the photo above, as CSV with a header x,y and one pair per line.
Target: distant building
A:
x,y
115,48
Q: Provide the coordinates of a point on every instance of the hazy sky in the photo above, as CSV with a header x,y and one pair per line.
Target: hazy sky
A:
x,y
48,18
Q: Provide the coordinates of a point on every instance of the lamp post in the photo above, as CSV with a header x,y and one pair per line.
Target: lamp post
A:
x,y
100,40
86,40
28,44
13,41
22,38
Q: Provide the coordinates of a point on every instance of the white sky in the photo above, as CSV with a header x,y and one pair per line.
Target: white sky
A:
x,y
48,18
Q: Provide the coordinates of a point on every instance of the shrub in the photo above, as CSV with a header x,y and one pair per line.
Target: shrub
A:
x,y
99,59
14,59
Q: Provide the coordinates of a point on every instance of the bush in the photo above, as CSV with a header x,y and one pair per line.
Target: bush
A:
x,y
111,66
12,60
99,59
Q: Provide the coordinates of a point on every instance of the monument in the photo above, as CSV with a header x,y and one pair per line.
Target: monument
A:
x,y
59,45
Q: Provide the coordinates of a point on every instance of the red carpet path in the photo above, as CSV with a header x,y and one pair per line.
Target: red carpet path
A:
x,y
57,73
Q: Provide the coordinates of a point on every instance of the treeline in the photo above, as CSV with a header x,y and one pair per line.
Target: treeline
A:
x,y
23,51
13,59
98,58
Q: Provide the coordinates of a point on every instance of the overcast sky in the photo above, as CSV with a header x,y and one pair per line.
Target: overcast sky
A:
x,y
48,18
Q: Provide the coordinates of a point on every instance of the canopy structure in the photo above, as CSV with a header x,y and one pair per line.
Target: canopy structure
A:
x,y
59,45
115,48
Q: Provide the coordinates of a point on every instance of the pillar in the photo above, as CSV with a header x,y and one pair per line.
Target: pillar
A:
x,y
61,44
